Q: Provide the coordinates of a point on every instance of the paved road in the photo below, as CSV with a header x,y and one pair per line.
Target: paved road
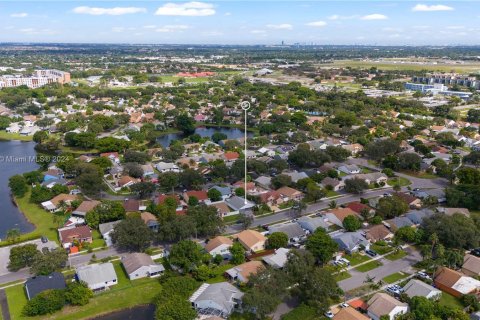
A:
x,y
4,305
5,253
84,259
389,267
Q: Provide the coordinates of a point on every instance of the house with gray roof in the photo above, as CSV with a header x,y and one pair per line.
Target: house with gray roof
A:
x,y
238,204
140,265
349,169
278,259
98,276
263,182
311,224
106,230
217,299
295,175
417,216
225,191
350,241
291,229
398,222
417,288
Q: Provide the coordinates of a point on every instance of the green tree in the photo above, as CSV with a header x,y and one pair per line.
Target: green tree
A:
x,y
390,207
214,195
238,253
355,185
48,262
351,223
175,308
277,240
45,302
106,211
321,246
78,293
185,124
13,235
132,234
18,185
22,256
186,255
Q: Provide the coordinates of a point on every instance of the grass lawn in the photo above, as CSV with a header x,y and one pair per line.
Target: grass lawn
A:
x,y
331,193
394,277
342,276
302,312
43,220
98,242
14,136
449,300
369,266
403,182
396,255
219,271
381,250
357,258
421,175
231,219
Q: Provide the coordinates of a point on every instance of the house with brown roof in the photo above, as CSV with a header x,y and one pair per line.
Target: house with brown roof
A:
x,y
252,240
140,265
222,208
411,201
71,234
201,195
334,184
336,216
349,313
126,181
271,198
471,265
454,282
56,202
219,246
230,156
242,272
359,207
131,205
150,220
382,304
290,194
378,232
85,207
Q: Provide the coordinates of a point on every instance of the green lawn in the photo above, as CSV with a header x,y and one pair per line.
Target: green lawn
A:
x,y
449,300
357,258
219,271
302,312
394,277
342,276
98,242
381,250
231,219
16,298
331,193
369,266
43,221
14,136
403,182
396,255
421,175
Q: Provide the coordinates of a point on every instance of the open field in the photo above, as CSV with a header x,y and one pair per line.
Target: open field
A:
x,y
14,136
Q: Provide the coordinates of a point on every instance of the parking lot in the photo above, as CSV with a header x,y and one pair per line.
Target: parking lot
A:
x,y
5,253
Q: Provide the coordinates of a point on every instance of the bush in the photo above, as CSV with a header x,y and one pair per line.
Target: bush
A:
x,y
44,303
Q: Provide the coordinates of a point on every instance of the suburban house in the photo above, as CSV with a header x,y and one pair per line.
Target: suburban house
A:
x,y
336,216
219,246
70,234
290,193
278,259
311,224
98,276
150,220
263,182
349,313
201,195
471,265
413,202
292,229
106,230
85,207
38,284
398,222
252,240
163,167
242,272
140,265
350,241
222,208
378,232
349,169
417,288
224,191
359,208
417,216
238,204
374,177
56,202
382,304
454,282
222,298
335,184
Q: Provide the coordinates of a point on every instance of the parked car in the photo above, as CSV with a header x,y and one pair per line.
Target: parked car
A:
x,y
44,239
328,314
423,275
371,253
344,305
475,252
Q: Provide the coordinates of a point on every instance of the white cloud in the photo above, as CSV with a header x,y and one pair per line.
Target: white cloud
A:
x,y
212,33
19,15
172,28
118,29
228,13
35,31
116,11
283,26
455,27
375,16
151,26
433,7
392,29
317,24
339,17
258,31
191,9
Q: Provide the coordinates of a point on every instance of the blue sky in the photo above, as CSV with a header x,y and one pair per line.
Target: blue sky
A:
x,y
242,22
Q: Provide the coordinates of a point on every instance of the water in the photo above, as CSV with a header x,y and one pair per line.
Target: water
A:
x,y
10,216
136,313
231,133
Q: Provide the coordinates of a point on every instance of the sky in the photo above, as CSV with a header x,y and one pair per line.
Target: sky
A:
x,y
270,22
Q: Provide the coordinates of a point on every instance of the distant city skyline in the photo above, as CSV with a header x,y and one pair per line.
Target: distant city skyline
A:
x,y
243,22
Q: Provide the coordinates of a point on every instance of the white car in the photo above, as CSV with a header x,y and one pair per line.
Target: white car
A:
x,y
344,305
328,314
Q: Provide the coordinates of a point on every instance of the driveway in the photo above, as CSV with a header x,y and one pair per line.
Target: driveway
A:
x,y
389,267
5,253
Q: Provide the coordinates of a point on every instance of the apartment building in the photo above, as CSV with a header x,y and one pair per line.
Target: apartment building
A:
x,y
38,79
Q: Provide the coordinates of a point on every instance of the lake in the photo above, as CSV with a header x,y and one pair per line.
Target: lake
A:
x,y
231,133
10,216
137,313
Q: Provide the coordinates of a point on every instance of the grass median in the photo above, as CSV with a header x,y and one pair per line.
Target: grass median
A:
x,y
369,266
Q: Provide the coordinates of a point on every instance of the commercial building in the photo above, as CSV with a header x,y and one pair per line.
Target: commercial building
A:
x,y
38,79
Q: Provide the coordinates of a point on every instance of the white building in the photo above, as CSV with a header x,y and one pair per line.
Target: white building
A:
x,y
98,276
38,79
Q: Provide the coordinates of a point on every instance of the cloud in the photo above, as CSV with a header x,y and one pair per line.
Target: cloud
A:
x,y
172,28
19,15
258,31
190,9
455,27
116,11
339,17
151,26
433,7
228,13
35,31
375,16
283,26
317,24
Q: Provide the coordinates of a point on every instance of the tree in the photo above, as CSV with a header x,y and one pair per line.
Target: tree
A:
x,y
143,189
185,124
106,211
48,262
407,234
355,185
135,157
186,255
391,207
192,201
245,220
132,234
175,308
218,136
40,136
238,253
380,149
214,195
168,181
351,223
13,235
281,180
338,154
45,302
409,161
314,192
18,185
468,175
33,177
277,240
22,256
321,246
78,293
207,221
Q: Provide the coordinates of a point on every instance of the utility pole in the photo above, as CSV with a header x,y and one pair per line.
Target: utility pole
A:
x,y
245,106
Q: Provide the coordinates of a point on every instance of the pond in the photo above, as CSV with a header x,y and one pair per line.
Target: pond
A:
x,y
137,313
16,157
231,133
